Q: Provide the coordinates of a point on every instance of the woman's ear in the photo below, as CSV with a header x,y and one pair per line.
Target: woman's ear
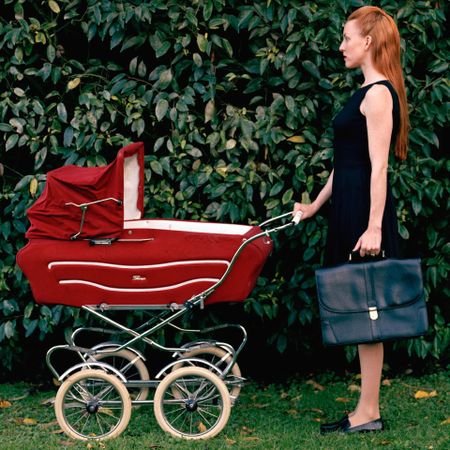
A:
x,y
367,41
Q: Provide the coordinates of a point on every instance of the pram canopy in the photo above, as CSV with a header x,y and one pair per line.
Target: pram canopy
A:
x,y
148,261
110,194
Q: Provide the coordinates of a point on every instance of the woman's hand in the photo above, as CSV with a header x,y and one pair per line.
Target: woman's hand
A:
x,y
370,242
307,210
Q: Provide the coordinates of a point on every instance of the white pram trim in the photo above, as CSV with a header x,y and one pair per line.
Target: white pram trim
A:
x,y
139,266
131,290
188,226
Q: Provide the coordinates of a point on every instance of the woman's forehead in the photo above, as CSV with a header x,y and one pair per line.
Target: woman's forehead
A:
x,y
351,27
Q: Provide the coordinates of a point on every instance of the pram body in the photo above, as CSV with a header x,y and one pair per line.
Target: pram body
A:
x,y
90,247
133,260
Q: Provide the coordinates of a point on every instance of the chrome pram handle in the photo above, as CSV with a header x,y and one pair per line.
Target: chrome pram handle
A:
x,y
295,220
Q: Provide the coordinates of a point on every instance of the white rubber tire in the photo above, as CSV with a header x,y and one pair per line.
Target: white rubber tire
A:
x,y
201,373
98,374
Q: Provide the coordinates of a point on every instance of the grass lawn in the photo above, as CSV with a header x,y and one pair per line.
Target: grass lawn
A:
x,y
267,417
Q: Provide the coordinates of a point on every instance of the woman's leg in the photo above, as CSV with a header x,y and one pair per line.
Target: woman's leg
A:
x,y
371,363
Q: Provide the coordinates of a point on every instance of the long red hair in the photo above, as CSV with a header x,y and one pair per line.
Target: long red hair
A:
x,y
381,27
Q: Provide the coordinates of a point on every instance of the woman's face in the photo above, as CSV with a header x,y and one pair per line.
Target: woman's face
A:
x,y
354,46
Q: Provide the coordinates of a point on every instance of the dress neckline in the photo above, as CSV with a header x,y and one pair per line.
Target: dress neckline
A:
x,y
375,82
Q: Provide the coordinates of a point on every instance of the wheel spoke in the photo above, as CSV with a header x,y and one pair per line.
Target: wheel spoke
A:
x,y
97,416
205,411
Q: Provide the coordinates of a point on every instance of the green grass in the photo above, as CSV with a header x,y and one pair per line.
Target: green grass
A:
x,y
267,417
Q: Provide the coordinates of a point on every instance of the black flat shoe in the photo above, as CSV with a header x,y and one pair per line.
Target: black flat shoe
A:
x,y
333,426
374,425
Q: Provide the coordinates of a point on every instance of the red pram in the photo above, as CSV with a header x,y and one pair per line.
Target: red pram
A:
x,y
89,247
107,254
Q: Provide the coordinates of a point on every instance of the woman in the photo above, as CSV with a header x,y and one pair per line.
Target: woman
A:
x,y
362,216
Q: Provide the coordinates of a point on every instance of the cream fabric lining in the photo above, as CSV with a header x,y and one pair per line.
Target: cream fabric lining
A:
x,y
131,188
187,226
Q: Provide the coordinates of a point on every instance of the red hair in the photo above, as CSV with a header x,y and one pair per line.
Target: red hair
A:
x,y
374,22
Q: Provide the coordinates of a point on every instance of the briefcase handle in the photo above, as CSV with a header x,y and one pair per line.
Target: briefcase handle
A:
x,y
350,255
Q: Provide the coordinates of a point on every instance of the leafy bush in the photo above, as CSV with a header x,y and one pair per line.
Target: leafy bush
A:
x,y
234,101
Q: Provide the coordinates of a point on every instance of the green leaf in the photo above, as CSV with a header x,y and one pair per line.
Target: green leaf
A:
x,y
218,190
161,51
198,61
207,9
62,112
6,127
158,143
290,103
156,167
227,46
133,65
165,78
287,196
39,158
9,329
276,188
30,326
312,69
11,141
134,41
51,53
142,69
38,108
201,42
161,108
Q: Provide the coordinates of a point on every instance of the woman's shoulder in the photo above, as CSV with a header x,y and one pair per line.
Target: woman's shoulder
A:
x,y
378,90
380,87
377,99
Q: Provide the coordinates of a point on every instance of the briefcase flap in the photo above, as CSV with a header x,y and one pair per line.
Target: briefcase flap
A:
x,y
385,284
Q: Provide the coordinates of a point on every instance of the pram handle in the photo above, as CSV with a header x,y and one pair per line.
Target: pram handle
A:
x,y
295,220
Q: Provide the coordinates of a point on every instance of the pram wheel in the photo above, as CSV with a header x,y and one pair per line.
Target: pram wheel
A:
x,y
201,408
131,367
92,405
220,358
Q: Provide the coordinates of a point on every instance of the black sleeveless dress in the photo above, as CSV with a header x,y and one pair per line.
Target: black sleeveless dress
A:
x,y
350,198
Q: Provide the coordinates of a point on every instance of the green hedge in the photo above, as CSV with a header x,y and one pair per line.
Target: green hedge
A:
x,y
234,101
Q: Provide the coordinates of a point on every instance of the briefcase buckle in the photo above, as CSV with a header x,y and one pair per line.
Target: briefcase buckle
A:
x,y
373,313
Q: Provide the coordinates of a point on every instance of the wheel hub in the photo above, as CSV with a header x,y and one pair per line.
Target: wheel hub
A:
x,y
191,405
92,406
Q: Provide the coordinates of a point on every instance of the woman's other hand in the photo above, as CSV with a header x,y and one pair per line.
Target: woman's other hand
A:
x,y
369,243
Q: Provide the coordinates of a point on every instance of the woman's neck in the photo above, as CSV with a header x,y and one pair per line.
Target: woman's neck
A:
x,y
372,76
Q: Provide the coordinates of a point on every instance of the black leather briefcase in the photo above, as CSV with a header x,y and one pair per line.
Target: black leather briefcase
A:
x,y
371,301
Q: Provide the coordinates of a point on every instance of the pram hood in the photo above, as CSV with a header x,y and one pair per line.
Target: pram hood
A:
x,y
118,188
